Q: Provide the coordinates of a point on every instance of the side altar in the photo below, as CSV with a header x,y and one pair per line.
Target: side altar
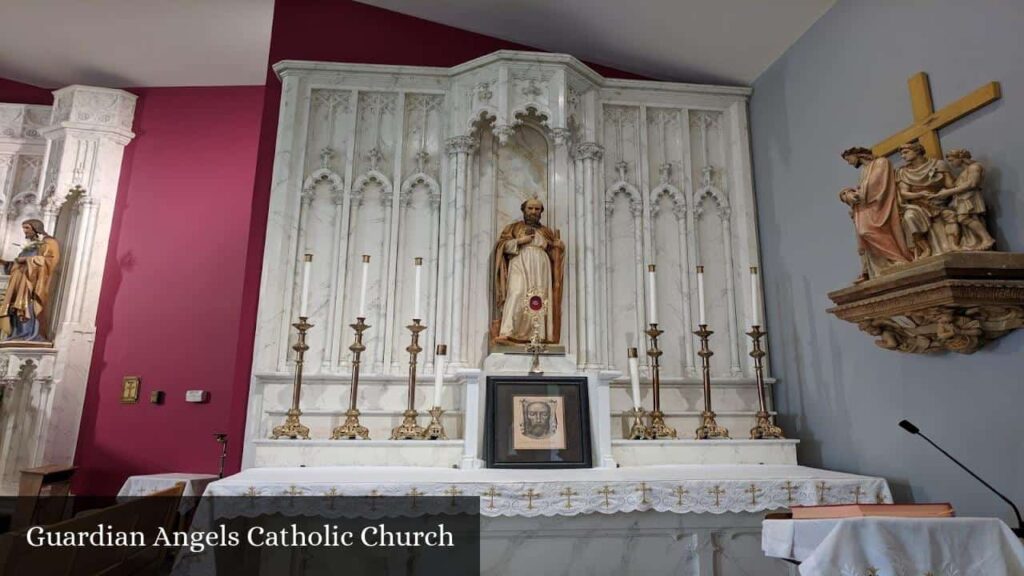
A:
x,y
435,231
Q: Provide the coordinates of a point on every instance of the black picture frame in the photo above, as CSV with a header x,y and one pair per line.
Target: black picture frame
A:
x,y
500,427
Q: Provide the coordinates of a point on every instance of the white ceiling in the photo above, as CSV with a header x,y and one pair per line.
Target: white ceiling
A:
x,y
719,41
120,43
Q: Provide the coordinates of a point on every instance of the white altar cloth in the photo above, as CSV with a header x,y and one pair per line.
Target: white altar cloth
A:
x,y
712,489
146,484
883,546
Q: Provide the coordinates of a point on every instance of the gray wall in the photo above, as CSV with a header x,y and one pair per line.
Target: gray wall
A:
x,y
844,83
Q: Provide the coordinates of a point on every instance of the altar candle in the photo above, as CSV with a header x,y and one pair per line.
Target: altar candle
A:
x,y
755,308
700,293
416,298
634,376
652,295
439,356
307,266
362,289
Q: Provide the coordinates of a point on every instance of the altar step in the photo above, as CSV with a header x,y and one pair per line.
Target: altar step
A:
x,y
314,453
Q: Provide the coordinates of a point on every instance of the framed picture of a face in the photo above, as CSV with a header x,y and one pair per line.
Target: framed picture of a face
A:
x,y
537,422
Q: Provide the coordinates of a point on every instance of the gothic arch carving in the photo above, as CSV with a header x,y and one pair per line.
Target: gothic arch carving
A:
x,y
371,178
416,180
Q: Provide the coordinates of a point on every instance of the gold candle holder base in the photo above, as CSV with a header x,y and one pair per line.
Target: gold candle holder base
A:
x,y
408,429
658,429
765,430
351,429
638,430
709,429
291,428
435,430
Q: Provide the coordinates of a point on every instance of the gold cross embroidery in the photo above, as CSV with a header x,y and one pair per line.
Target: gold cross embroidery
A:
x,y
414,493
753,491
454,492
823,490
293,491
717,492
606,492
789,488
643,490
530,495
331,493
251,491
373,499
491,494
880,497
857,493
568,493
679,491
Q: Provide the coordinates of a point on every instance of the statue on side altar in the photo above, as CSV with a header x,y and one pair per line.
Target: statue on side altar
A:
x,y
874,209
25,307
527,264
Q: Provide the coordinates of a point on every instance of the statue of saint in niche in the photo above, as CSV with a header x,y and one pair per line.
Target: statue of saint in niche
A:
x,y
527,273
25,307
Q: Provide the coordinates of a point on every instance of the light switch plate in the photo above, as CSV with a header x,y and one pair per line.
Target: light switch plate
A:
x,y
197,396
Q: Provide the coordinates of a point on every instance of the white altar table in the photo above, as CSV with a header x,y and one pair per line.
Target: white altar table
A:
x,y
896,546
673,488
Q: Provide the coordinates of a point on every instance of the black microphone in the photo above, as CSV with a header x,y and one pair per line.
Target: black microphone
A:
x,y
1019,530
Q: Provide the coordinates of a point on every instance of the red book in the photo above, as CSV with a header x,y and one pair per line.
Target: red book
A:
x,y
860,510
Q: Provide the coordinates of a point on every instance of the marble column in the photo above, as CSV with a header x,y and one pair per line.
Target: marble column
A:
x,y
88,131
588,154
460,149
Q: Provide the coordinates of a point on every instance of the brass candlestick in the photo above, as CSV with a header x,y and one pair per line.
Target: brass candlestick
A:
x,y
765,428
292,428
435,430
408,429
709,428
658,429
638,430
352,429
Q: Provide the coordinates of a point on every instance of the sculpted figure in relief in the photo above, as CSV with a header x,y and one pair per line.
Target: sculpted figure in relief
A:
x,y
927,217
527,264
874,209
967,203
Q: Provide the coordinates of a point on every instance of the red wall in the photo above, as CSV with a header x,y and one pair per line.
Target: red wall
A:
x,y
182,283
12,92
169,309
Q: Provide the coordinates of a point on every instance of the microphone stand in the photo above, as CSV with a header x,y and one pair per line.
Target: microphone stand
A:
x,y
1019,530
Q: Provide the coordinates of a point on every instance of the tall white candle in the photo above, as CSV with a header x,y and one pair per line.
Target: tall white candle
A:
x,y
362,289
652,293
416,298
307,265
439,358
755,306
634,376
700,293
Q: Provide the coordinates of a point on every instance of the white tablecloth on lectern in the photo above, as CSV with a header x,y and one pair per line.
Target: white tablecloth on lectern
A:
x,y
146,484
896,546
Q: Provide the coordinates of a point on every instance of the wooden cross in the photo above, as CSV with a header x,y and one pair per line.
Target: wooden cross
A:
x,y
679,491
822,491
530,495
857,493
453,492
568,493
789,488
643,490
753,491
927,121
717,491
414,493
606,492
491,494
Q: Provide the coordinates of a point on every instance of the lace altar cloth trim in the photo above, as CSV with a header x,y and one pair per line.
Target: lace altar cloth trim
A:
x,y
530,493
